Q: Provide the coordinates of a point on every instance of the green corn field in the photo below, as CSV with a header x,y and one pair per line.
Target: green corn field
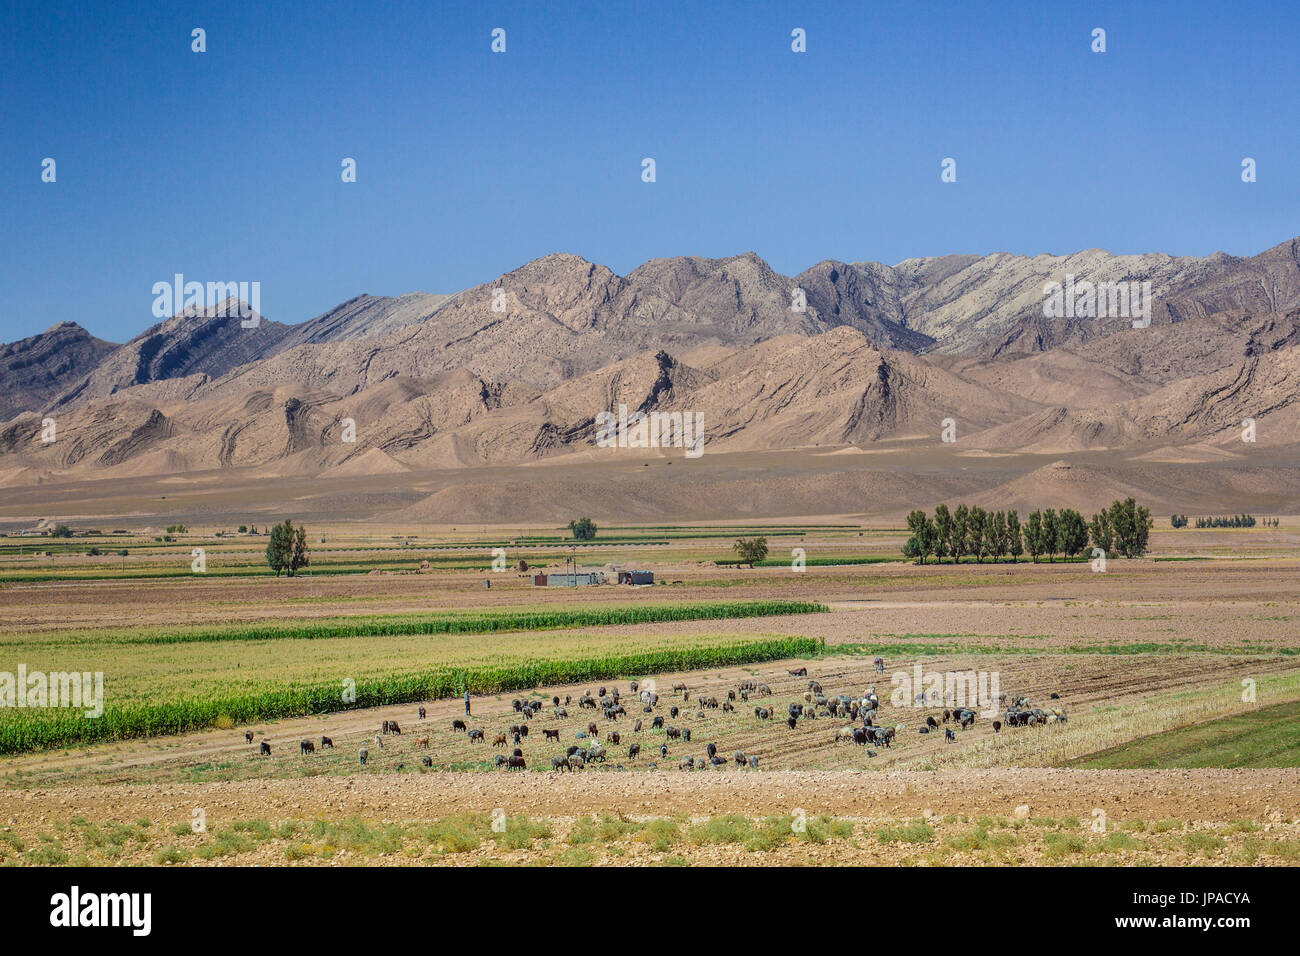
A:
x,y
486,622
24,731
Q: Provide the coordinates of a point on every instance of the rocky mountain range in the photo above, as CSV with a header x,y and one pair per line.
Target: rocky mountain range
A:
x,y
841,356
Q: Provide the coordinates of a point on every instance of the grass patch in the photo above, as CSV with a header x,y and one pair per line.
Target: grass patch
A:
x,y
1267,737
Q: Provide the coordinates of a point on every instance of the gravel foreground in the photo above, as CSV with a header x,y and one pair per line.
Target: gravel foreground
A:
x,y
1189,795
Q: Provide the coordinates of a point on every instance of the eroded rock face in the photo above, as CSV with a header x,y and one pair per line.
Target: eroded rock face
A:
x,y
520,368
38,369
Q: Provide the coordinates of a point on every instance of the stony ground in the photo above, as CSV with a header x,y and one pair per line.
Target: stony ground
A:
x,y
996,817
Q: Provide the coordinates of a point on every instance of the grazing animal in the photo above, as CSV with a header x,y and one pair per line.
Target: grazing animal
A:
x,y
386,726
500,740
931,722
264,749
363,754
878,665
516,763
326,742
711,750
426,761
591,729
673,712
551,735
948,735
636,728
422,714
612,737
673,733
458,724
997,726
632,751
1054,695
663,750
392,725
561,712
791,722
306,747
799,672
476,735
657,723
686,734
740,758
753,762
421,742
248,736
577,761
560,763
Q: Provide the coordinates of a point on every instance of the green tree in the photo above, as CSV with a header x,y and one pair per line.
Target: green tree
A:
x,y
960,526
61,531
1034,535
922,540
1000,543
1015,545
1102,534
1051,533
750,550
942,532
1132,524
1073,533
287,550
975,532
301,556
584,529
280,548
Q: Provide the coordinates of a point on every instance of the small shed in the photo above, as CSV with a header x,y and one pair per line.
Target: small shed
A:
x,y
636,577
568,579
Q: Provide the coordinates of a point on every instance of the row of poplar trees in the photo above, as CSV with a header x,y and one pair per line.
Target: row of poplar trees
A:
x,y
1121,529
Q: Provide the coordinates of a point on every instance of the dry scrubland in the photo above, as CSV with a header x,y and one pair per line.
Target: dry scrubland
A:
x,y
1148,648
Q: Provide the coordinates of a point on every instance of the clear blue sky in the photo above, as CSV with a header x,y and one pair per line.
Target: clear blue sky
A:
x,y
225,165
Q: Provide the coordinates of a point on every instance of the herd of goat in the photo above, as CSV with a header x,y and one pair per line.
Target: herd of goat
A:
x,y
861,711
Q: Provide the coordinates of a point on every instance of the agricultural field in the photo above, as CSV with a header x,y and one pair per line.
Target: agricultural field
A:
x,y
1179,673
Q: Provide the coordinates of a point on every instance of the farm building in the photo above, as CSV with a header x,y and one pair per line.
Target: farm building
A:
x,y
568,579
636,577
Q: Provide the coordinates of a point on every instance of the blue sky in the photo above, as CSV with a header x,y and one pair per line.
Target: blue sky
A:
x,y
226,165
